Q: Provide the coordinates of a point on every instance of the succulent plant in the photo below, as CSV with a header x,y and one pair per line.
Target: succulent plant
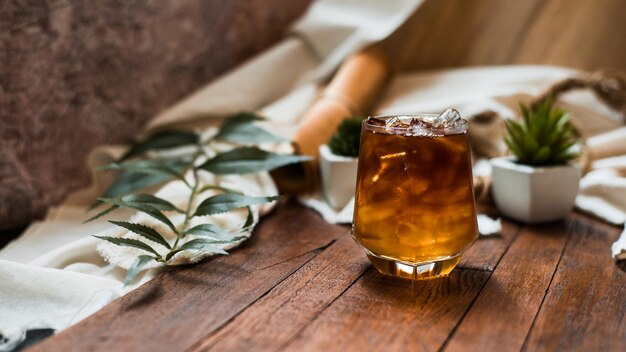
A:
x,y
544,137
347,138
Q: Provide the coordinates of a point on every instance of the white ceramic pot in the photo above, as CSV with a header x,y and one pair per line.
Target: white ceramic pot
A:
x,y
338,174
534,194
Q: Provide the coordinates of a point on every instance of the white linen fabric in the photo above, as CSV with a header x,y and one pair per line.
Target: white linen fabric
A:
x,y
52,276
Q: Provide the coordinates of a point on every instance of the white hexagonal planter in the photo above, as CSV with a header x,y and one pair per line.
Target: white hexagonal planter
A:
x,y
534,194
338,175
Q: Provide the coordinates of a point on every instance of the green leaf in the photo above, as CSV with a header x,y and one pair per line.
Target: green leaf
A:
x,y
541,156
203,244
553,118
564,120
346,140
154,201
102,213
131,181
247,160
540,128
136,267
521,137
209,230
515,130
515,149
164,168
544,136
532,128
219,188
564,158
145,208
141,198
222,203
200,244
145,231
565,146
244,117
557,136
163,140
128,242
246,133
525,113
530,144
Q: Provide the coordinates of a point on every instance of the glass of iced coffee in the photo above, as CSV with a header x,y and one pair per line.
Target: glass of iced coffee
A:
x,y
414,212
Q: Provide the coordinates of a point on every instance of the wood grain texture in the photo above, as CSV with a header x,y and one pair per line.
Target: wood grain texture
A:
x,y
178,308
381,313
513,293
575,33
589,35
486,252
77,74
462,33
585,306
273,320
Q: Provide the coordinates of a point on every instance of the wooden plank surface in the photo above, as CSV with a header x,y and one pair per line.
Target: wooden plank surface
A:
x,y
487,251
513,293
178,308
589,35
585,306
462,33
582,34
304,285
380,313
274,320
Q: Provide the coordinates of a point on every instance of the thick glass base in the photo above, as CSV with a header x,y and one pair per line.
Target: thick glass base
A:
x,y
414,271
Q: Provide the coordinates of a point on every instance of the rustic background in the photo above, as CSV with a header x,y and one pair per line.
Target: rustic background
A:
x,y
75,74
79,73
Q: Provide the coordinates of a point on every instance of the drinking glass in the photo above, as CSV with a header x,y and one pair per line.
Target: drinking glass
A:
x,y
414,210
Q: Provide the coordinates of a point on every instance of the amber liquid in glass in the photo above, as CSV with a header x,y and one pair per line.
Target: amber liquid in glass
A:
x,y
414,198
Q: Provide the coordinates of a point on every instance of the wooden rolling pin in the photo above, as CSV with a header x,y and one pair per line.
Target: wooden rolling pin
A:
x,y
353,90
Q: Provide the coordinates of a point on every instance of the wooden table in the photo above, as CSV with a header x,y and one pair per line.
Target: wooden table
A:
x,y
301,284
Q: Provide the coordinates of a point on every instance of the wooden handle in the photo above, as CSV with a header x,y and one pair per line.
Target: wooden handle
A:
x,y
353,91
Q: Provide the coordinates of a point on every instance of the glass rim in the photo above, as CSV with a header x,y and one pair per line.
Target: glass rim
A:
x,y
461,127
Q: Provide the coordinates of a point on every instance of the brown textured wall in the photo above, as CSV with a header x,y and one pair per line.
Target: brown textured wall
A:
x,y
75,74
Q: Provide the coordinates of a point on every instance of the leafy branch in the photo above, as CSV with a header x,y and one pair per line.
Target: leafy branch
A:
x,y
144,166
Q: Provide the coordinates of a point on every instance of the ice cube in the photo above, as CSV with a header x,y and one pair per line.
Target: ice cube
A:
x,y
397,122
397,125
418,127
448,118
375,121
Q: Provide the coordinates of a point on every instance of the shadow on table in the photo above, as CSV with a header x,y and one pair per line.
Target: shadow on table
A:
x,y
417,294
